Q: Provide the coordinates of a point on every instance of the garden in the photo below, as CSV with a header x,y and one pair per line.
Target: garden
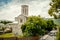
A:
x,y
34,27
37,26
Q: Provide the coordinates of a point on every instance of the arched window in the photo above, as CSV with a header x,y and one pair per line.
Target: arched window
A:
x,y
21,20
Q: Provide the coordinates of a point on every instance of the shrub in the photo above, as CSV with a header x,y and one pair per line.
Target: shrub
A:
x,y
50,25
34,26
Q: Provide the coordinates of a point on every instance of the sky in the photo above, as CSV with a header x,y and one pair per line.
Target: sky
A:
x,y
9,9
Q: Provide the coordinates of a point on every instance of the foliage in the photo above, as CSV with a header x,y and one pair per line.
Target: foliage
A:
x,y
55,11
58,34
5,22
55,8
50,25
36,26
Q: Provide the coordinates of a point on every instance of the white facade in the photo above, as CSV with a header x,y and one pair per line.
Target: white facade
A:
x,y
16,26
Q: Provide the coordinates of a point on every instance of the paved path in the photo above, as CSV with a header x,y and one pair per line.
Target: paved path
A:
x,y
49,38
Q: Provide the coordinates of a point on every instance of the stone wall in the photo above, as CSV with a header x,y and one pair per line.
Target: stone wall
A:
x,y
16,29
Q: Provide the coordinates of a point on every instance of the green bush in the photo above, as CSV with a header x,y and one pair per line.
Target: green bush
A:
x,y
34,26
5,22
50,25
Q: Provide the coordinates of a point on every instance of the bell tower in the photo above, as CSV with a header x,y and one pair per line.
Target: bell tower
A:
x,y
24,10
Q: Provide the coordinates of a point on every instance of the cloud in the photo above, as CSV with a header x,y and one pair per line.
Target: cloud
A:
x,y
12,9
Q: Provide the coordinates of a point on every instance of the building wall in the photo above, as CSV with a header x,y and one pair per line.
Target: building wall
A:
x,y
16,29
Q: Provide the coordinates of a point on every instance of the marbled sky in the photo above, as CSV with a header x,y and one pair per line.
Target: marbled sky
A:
x,y
9,9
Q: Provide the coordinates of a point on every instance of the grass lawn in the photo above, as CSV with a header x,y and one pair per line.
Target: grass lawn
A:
x,y
6,35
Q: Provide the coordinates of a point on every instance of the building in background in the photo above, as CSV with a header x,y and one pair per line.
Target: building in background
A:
x,y
19,20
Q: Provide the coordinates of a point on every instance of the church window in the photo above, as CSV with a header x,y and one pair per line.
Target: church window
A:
x,y
21,20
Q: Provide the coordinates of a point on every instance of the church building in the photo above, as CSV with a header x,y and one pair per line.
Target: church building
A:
x,y
16,27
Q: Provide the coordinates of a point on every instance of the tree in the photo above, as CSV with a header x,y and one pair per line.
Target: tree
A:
x,y
34,26
54,9
50,25
5,22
